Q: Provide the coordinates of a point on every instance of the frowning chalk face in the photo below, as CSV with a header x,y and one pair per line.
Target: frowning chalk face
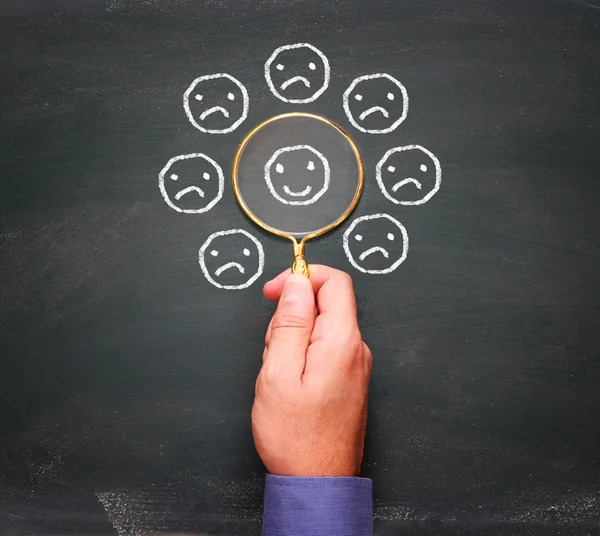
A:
x,y
376,244
376,103
409,175
216,103
297,73
297,175
191,183
232,260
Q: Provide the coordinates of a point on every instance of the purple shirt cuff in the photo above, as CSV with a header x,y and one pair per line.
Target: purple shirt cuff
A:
x,y
303,506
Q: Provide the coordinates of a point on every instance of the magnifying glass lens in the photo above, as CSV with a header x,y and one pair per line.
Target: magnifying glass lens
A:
x,y
298,176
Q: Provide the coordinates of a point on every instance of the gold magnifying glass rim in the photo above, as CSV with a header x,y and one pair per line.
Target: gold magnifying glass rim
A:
x,y
259,222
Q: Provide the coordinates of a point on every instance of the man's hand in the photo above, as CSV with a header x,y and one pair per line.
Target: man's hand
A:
x,y
310,410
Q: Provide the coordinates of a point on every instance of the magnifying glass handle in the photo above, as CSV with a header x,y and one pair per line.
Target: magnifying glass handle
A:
x,y
300,265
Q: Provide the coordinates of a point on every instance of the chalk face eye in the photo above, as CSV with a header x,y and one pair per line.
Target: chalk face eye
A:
x,y
198,97
390,237
390,96
358,97
246,252
358,238
214,253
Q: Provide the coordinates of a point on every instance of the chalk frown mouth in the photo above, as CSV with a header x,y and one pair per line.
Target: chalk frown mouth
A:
x,y
213,110
375,249
229,265
373,110
187,190
400,184
295,79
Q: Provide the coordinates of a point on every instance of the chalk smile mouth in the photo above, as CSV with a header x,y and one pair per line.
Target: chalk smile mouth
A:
x,y
293,80
400,184
373,110
376,249
291,193
229,265
213,110
187,190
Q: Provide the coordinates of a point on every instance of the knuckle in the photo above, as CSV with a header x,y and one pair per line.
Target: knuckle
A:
x,y
269,376
286,321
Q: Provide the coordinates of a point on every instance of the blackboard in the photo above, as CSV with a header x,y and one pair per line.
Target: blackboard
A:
x,y
126,377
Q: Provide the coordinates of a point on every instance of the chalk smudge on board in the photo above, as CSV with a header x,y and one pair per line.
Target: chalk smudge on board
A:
x,y
127,513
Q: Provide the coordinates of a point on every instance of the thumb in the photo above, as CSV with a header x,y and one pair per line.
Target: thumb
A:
x,y
291,328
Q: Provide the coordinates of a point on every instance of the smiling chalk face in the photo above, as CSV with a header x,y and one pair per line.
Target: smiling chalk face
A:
x,y
376,103
376,244
297,73
409,175
216,103
191,183
297,175
232,260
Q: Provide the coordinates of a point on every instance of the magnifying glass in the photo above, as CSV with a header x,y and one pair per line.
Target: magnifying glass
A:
x,y
298,176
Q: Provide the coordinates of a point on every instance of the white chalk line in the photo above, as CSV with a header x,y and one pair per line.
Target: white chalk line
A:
x,y
212,110
350,115
218,272
190,115
384,190
350,255
293,80
316,94
372,110
165,195
269,180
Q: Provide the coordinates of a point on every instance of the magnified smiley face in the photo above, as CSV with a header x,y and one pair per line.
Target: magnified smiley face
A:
x,y
297,73
216,103
297,175
376,244
409,175
232,260
376,103
191,183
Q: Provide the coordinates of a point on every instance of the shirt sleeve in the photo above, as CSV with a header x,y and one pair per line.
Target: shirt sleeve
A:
x,y
327,506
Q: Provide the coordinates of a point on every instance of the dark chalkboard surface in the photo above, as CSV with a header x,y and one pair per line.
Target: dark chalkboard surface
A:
x,y
126,376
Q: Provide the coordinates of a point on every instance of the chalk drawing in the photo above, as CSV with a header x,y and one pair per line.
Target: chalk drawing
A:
x,y
390,232
177,184
283,71
246,262
430,172
360,102
230,107
315,178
